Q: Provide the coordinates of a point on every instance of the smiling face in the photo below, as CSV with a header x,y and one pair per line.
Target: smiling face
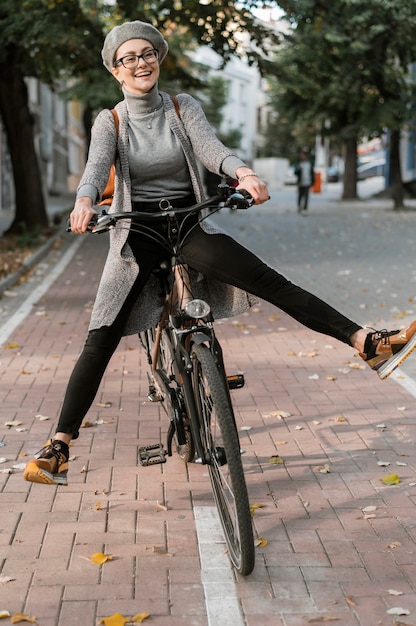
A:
x,y
142,78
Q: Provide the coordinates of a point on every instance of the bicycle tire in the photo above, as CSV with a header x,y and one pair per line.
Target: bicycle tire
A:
x,y
222,446
165,374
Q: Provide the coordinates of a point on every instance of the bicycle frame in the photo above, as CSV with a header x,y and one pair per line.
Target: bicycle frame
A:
x,y
183,331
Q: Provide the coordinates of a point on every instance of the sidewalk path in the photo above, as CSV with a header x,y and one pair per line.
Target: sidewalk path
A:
x,y
340,543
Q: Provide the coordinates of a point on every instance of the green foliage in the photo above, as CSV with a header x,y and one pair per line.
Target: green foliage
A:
x,y
347,62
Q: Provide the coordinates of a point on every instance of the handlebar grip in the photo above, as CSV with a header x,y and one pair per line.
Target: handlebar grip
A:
x,y
90,226
240,199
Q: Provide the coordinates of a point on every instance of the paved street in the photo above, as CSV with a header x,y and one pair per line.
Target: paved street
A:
x,y
340,543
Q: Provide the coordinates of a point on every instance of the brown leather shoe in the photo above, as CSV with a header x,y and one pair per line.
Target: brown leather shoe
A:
x,y
385,350
50,465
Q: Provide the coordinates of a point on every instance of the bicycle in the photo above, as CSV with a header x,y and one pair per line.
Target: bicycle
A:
x,y
187,374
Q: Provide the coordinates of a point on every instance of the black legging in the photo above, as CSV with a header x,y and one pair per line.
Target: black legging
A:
x,y
216,256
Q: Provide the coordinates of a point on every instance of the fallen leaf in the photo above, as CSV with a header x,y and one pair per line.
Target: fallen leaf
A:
x,y
22,617
6,579
314,377
11,346
324,469
246,428
87,424
104,405
382,426
280,414
397,610
276,460
42,418
99,558
12,424
98,506
350,601
390,479
260,542
281,443
83,470
369,509
394,544
393,592
140,617
253,507
159,550
383,463
331,378
298,427
3,460
114,620
4,614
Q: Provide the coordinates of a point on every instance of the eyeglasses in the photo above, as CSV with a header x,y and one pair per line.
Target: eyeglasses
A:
x,y
131,61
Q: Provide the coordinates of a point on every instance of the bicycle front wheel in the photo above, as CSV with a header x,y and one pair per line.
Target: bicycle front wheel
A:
x,y
222,449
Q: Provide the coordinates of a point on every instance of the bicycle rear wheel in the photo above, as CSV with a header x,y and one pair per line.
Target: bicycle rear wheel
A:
x,y
222,447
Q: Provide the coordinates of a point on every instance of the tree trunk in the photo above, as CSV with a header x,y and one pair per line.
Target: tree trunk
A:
x,y
18,123
350,171
395,170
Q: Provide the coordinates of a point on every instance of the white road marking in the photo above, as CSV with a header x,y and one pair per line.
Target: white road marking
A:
x,y
217,575
405,381
26,307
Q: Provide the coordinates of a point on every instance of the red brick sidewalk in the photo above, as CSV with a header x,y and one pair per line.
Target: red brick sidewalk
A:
x,y
336,426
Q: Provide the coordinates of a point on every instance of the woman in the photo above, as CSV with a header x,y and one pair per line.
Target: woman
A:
x,y
156,149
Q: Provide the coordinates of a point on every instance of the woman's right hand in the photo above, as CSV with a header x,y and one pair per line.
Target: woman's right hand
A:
x,y
81,215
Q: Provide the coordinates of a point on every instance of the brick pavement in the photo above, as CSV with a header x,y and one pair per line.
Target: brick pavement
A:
x,y
326,558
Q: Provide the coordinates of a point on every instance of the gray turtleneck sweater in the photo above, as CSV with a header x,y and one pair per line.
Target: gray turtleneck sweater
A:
x,y
157,168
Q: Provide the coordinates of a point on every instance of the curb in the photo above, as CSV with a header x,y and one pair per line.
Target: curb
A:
x,y
30,262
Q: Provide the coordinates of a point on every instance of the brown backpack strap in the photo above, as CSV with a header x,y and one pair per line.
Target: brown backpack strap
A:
x,y
176,105
116,120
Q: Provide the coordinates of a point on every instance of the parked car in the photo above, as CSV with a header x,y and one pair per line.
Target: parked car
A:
x,y
333,174
371,168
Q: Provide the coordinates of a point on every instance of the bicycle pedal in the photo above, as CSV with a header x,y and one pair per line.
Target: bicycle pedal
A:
x,y
236,381
152,455
154,395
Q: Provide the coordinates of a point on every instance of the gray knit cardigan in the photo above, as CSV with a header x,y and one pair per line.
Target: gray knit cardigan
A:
x,y
121,269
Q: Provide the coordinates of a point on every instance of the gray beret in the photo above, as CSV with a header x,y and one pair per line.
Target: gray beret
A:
x,y
132,30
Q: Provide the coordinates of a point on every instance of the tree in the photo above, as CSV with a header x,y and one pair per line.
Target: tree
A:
x,y
345,66
42,40
60,40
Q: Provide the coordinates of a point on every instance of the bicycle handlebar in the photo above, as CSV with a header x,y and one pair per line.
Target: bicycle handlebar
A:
x,y
241,199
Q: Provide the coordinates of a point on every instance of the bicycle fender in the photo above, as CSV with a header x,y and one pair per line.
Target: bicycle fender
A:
x,y
200,337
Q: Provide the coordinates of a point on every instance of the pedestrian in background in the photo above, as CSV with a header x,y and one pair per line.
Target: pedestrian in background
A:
x,y
305,174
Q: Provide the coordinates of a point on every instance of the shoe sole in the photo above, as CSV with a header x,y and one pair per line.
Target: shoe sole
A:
x,y
397,359
35,474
